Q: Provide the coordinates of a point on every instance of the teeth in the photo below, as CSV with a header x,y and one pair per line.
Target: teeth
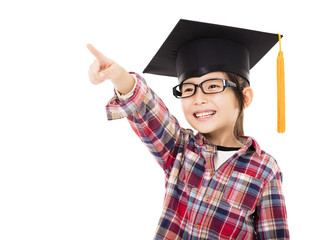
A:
x,y
204,114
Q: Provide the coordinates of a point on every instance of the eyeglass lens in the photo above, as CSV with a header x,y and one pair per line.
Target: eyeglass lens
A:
x,y
209,86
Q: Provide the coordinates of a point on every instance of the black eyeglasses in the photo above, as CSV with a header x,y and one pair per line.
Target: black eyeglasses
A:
x,y
209,86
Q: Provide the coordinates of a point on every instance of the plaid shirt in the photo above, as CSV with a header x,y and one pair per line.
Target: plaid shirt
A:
x,y
242,199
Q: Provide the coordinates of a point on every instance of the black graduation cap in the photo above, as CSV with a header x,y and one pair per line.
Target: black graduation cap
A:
x,y
195,48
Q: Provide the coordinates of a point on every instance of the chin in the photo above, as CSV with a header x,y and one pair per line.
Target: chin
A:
x,y
204,130
207,127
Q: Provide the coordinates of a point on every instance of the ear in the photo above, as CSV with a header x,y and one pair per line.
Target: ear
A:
x,y
248,95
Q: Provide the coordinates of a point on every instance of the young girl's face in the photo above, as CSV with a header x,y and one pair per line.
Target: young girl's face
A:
x,y
211,113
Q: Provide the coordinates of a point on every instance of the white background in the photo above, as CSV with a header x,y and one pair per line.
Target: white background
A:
x,y
68,173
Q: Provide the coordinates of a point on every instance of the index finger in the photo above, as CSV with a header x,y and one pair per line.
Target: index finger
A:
x,y
96,53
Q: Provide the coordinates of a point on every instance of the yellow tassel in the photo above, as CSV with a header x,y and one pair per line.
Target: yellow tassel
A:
x,y
281,90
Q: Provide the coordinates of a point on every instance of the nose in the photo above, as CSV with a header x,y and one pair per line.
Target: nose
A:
x,y
199,97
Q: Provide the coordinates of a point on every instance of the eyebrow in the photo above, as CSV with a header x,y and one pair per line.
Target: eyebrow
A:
x,y
190,81
187,82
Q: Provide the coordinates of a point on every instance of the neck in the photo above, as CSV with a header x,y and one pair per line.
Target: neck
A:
x,y
226,140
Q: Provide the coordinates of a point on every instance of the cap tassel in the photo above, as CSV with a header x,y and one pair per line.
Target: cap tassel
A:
x,y
281,90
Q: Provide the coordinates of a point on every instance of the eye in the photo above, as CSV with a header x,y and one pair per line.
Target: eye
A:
x,y
214,86
188,89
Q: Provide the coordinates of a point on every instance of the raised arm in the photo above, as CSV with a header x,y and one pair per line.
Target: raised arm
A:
x,y
145,111
152,122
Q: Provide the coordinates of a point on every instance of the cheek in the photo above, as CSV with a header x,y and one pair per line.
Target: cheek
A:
x,y
185,106
227,104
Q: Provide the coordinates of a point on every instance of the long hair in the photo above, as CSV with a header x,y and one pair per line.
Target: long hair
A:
x,y
241,84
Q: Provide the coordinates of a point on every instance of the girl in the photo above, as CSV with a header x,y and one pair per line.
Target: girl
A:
x,y
219,183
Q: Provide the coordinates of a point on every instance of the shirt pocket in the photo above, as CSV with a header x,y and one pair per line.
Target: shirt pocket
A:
x,y
243,191
191,173
216,219
225,222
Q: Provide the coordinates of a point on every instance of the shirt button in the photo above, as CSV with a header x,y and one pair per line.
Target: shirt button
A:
x,y
197,226
211,174
207,200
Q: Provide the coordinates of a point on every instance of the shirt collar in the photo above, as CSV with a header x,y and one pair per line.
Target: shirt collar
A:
x,y
247,141
201,139
250,142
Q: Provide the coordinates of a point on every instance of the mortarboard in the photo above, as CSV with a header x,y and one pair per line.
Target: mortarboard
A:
x,y
193,49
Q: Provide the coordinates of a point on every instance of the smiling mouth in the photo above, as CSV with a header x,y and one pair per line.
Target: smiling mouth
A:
x,y
201,115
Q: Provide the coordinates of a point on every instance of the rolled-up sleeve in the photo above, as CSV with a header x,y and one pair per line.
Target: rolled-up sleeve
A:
x,y
118,108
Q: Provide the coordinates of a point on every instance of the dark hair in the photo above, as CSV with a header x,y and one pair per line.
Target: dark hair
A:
x,y
241,83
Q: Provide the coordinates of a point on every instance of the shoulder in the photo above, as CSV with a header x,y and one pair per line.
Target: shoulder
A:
x,y
258,163
272,169
190,141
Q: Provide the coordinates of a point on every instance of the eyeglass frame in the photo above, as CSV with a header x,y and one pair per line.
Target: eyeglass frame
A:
x,y
226,83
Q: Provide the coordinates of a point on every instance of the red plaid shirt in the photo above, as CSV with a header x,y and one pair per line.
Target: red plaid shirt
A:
x,y
242,199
